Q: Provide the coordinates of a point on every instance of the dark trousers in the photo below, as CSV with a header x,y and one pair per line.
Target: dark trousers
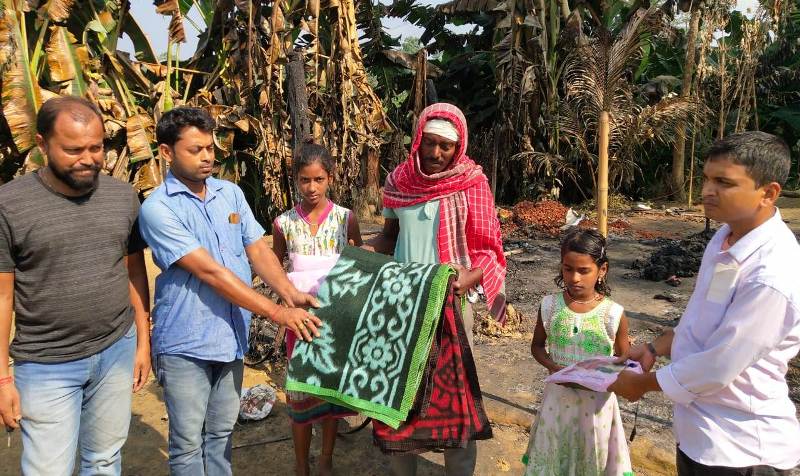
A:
x,y
690,467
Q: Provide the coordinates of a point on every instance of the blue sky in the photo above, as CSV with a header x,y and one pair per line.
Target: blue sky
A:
x,y
155,26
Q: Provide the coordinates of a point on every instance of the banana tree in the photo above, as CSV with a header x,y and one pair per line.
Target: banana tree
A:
x,y
237,73
57,48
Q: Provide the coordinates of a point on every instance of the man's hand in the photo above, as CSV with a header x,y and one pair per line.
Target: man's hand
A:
x,y
641,354
368,247
298,320
141,367
10,410
296,298
465,279
633,386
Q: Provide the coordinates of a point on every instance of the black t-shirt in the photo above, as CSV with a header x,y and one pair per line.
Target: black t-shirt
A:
x,y
68,258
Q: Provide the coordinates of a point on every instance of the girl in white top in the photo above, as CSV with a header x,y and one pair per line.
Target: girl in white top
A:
x,y
578,432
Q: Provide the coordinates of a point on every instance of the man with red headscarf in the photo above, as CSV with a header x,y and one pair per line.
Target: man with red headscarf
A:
x,y
439,209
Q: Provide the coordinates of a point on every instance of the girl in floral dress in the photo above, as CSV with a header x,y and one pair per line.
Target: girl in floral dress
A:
x,y
313,234
578,432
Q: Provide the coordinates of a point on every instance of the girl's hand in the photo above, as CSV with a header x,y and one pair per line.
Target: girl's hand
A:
x,y
554,368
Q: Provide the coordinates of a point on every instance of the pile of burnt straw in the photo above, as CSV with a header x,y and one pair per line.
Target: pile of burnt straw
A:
x,y
679,258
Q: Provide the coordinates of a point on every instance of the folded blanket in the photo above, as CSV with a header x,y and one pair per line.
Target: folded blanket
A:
x,y
449,411
379,320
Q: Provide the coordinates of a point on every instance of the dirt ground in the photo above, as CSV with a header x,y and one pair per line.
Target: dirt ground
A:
x,y
511,380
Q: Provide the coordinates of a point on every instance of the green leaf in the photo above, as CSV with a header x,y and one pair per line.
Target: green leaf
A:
x,y
644,62
790,116
96,26
143,50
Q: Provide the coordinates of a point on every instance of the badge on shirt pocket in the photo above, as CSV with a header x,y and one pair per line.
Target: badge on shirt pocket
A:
x,y
233,218
722,283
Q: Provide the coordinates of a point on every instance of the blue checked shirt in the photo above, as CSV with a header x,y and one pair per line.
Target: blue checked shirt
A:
x,y
189,317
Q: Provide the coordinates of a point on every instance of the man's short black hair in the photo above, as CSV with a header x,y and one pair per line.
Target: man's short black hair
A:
x,y
765,156
169,127
80,109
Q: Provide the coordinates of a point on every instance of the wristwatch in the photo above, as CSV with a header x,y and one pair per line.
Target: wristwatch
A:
x,y
651,348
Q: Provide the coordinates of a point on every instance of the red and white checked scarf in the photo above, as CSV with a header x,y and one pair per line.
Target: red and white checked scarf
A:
x,y
469,232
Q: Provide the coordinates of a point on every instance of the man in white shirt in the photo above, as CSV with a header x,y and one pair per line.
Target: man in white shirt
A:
x,y
730,352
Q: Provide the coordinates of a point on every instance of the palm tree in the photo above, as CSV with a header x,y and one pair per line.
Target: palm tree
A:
x,y
599,90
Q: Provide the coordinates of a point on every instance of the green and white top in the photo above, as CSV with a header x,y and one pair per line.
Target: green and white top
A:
x,y
331,235
575,336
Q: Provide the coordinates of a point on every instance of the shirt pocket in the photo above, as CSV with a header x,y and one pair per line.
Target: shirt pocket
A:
x,y
234,237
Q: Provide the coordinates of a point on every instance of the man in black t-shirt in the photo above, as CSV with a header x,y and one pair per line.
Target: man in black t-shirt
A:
x,y
72,266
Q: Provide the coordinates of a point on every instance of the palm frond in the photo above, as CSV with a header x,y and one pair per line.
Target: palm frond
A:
x,y
549,165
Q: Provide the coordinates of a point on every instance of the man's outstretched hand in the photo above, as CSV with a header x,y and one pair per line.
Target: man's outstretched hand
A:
x,y
640,354
304,324
628,385
297,298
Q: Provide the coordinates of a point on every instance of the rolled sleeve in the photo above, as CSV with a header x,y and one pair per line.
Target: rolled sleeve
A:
x,y
252,231
756,321
168,237
672,388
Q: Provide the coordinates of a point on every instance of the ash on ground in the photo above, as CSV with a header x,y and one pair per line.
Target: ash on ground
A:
x,y
679,258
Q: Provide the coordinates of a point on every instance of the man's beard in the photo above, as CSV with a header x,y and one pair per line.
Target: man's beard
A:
x,y
85,184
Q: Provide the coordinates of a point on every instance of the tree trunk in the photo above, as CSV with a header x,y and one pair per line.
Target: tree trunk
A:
x,y
368,200
679,148
420,83
602,174
297,98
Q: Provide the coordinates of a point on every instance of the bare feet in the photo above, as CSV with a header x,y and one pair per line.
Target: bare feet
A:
x,y
326,466
302,470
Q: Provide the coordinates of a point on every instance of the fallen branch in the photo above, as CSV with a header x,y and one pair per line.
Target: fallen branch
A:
x,y
791,193
262,442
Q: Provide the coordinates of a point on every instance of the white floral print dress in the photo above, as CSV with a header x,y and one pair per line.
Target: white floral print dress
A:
x,y
578,432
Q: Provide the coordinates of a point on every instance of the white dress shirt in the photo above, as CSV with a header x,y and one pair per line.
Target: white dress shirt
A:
x,y
731,352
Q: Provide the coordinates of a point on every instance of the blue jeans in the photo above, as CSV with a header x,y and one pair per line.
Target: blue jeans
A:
x,y
84,403
202,400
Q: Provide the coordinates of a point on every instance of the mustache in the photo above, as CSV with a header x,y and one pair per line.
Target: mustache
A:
x,y
93,168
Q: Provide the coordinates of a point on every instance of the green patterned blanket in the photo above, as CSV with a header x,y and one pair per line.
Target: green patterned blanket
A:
x,y
379,321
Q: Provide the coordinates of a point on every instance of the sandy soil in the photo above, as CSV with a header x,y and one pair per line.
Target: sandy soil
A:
x,y
510,378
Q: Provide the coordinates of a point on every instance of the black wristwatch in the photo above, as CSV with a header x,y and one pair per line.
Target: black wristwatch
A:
x,y
652,349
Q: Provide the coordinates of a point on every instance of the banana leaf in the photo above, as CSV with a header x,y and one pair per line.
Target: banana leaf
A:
x,y
67,60
21,97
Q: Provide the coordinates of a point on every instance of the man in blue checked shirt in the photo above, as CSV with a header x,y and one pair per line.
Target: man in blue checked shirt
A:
x,y
204,238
